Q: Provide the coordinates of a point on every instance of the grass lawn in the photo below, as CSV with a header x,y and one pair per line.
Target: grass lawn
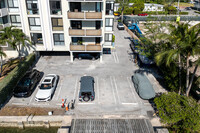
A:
x,y
28,130
183,4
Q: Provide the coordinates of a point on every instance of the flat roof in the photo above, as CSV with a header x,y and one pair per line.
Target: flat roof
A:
x,y
111,125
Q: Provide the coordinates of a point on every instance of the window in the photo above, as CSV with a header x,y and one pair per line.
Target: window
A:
x,y
4,20
55,7
108,37
13,3
58,39
32,6
109,22
37,38
57,24
34,21
109,8
2,4
15,19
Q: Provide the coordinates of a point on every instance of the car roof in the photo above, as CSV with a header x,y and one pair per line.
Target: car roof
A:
x,y
87,83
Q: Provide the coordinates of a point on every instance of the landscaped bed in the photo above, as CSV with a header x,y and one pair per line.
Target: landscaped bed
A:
x,y
29,130
23,111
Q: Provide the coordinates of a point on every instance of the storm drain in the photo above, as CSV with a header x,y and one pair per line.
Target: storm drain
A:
x,y
111,126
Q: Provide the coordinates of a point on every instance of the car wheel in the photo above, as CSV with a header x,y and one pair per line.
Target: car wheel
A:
x,y
79,58
86,98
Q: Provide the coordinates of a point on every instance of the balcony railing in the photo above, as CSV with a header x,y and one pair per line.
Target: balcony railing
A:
x,y
85,32
89,47
85,15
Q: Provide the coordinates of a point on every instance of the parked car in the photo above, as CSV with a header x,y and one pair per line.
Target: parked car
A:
x,y
117,14
188,8
86,89
142,14
143,86
47,88
120,26
27,84
92,56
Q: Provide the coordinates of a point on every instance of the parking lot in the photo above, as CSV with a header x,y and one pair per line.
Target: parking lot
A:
x,y
114,90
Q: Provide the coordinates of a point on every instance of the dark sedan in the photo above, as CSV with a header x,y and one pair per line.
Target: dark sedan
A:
x,y
27,84
91,56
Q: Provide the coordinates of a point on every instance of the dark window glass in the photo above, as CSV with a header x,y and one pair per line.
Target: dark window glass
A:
x,y
58,39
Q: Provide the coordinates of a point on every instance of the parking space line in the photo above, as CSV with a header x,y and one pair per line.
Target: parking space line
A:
x,y
85,103
20,103
131,87
113,53
59,89
130,103
31,98
116,89
98,90
113,90
117,59
38,104
75,88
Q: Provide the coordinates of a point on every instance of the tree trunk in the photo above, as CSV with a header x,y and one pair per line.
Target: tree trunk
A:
x,y
187,73
122,16
1,65
191,81
179,65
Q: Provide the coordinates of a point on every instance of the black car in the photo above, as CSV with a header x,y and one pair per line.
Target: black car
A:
x,y
87,56
27,84
86,89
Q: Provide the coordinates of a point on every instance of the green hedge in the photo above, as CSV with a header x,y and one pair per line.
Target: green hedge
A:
x,y
162,13
10,81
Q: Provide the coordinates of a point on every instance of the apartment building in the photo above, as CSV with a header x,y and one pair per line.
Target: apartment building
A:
x,y
75,26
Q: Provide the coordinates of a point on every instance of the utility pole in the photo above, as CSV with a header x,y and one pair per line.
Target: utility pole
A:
x,y
122,18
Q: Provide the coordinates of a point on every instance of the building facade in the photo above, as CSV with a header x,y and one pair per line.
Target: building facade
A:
x,y
76,26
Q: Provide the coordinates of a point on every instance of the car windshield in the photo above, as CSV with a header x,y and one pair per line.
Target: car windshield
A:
x,y
24,82
45,86
120,24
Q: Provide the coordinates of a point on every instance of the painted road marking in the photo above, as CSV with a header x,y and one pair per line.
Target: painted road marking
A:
x,y
85,103
20,103
112,90
75,89
131,87
130,103
59,89
116,89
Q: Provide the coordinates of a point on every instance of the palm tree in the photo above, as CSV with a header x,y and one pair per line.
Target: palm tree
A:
x,y
172,51
15,38
2,54
191,47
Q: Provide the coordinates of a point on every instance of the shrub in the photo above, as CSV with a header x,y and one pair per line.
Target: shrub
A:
x,y
136,11
139,5
183,13
10,81
171,9
113,38
180,113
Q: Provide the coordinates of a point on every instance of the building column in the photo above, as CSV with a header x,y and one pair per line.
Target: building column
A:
x,y
71,56
101,57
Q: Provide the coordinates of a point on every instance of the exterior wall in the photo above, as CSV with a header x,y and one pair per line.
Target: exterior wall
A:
x,y
45,28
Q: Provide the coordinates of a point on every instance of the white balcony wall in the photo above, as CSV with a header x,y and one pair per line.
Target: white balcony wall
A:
x,y
14,10
3,12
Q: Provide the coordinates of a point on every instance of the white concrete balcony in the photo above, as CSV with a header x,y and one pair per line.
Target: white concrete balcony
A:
x,y
85,32
3,12
85,15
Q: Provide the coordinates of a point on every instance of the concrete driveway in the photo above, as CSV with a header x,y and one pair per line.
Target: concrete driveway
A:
x,y
114,90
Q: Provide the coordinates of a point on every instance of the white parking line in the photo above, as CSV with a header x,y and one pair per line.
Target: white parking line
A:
x,y
98,90
20,103
59,89
117,59
32,98
75,89
130,103
40,104
113,90
131,87
113,53
85,103
116,89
